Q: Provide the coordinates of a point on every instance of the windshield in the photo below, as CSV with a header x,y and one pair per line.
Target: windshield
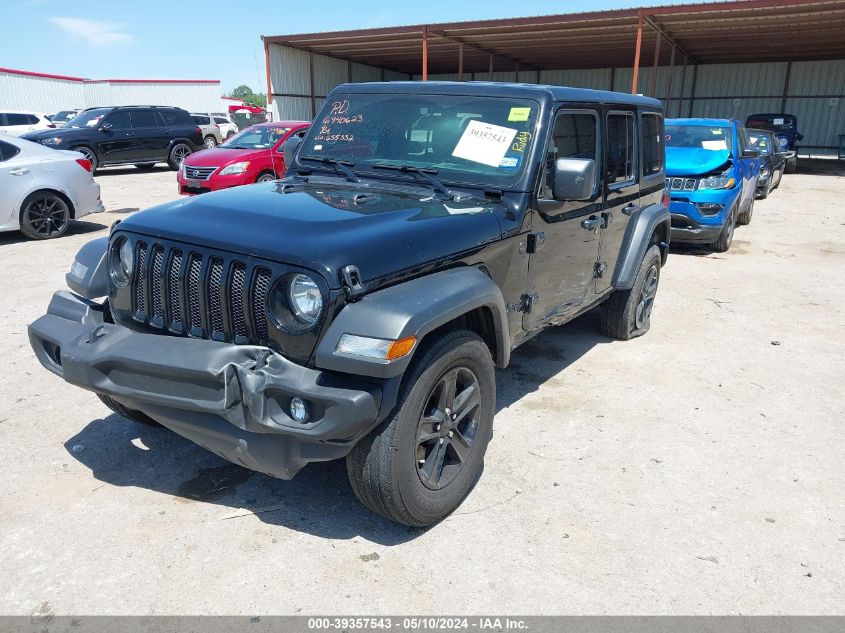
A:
x,y
699,137
256,137
462,138
761,142
89,118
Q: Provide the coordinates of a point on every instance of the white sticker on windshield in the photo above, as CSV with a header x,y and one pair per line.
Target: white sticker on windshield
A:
x,y
318,148
484,143
714,145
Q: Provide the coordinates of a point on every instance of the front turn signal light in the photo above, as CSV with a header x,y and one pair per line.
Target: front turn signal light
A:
x,y
380,349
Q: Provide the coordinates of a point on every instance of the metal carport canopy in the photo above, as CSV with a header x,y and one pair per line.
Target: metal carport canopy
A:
x,y
709,33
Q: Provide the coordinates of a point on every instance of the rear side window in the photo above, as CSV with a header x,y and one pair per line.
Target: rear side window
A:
x,y
144,118
171,117
16,118
220,120
651,140
7,150
201,120
620,148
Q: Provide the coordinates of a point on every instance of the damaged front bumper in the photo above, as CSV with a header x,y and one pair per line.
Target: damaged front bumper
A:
x,y
231,399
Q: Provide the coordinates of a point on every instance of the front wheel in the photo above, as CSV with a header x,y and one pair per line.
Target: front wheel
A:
x,y
420,463
89,155
726,237
131,414
266,177
627,313
178,153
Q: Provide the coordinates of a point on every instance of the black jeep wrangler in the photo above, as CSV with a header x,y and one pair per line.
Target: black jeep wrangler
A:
x,y
358,307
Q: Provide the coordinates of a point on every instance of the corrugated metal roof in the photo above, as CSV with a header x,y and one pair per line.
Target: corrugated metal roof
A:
x,y
715,32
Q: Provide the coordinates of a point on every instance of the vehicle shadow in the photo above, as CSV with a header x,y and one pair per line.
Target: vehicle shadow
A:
x,y
131,169
319,500
77,227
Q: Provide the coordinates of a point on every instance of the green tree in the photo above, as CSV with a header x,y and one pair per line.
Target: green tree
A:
x,y
245,92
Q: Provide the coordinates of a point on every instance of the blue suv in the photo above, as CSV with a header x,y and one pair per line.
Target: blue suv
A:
x,y
711,177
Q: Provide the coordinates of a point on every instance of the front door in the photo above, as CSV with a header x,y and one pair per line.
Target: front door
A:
x,y
115,138
564,242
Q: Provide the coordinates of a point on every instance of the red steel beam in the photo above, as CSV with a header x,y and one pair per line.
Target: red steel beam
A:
x,y
425,53
636,75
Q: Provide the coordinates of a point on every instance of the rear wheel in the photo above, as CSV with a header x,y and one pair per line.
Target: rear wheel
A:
x,y
419,465
791,165
627,313
209,142
178,153
135,416
44,215
89,154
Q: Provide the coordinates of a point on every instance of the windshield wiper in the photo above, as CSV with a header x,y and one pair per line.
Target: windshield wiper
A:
x,y
426,172
341,166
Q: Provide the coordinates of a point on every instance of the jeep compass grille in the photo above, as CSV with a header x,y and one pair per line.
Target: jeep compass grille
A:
x,y
199,294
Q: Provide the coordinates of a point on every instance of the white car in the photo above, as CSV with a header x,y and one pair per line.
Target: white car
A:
x,y
227,127
43,189
19,122
212,135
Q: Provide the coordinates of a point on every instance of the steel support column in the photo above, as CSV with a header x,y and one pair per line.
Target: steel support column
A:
x,y
425,53
636,75
654,67
669,78
269,82
311,84
785,87
461,61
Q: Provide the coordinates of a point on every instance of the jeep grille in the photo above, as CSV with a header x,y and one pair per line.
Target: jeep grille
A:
x,y
205,295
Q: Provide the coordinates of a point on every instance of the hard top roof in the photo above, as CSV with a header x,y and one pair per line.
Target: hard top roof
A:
x,y
499,89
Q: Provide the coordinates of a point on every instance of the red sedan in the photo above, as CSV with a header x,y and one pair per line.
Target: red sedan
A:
x,y
252,155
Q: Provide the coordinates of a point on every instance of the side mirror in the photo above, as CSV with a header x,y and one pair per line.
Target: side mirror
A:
x,y
751,153
106,127
574,179
290,147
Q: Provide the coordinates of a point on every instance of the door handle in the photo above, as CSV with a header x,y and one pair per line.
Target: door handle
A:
x,y
18,171
592,223
630,209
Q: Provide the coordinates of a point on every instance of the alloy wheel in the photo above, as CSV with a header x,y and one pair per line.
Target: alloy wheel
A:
x,y
448,427
47,216
180,153
647,294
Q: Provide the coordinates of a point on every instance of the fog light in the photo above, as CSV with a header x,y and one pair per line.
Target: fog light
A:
x,y
299,410
706,208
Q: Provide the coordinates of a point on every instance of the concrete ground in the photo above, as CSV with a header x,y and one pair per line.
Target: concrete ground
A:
x,y
697,470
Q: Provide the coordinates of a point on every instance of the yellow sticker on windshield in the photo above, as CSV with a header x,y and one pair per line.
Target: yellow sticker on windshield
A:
x,y
519,114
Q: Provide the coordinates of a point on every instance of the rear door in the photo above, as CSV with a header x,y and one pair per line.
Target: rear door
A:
x,y
564,241
15,178
150,135
622,187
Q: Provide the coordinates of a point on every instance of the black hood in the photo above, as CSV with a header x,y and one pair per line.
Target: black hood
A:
x,y
62,132
326,227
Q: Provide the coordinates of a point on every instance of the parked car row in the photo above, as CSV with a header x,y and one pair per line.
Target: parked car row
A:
x,y
715,169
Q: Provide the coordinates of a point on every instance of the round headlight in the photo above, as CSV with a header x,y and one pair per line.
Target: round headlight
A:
x,y
122,262
306,301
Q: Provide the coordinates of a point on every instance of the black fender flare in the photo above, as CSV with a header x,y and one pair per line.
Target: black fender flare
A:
x,y
636,242
413,308
89,275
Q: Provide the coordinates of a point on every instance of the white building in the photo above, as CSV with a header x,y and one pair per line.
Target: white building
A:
x,y
41,92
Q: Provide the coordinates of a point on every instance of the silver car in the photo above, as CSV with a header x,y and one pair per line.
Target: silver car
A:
x,y
43,189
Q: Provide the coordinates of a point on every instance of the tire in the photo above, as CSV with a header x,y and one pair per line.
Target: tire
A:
x,y
791,166
409,469
145,166
726,237
627,313
780,177
44,215
178,153
744,218
266,176
135,416
762,195
88,153
209,142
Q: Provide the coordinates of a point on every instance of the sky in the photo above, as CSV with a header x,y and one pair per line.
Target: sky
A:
x,y
213,39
